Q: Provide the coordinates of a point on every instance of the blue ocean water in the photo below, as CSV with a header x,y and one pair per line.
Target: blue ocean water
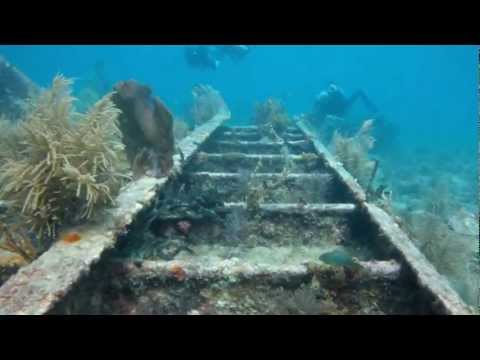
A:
x,y
428,91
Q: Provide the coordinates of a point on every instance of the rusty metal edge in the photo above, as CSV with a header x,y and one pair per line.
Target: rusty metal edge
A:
x,y
39,286
446,299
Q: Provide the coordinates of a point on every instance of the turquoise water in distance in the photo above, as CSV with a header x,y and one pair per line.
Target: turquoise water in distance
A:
x,y
428,92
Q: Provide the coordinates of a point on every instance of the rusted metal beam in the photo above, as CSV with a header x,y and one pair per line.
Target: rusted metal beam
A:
x,y
37,287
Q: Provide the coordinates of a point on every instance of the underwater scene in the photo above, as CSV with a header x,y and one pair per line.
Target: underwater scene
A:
x,y
239,179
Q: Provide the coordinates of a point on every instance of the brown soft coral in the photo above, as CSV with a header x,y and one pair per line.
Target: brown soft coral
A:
x,y
147,128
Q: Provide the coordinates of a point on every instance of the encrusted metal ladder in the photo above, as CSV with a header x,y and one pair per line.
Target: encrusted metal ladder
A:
x,y
41,286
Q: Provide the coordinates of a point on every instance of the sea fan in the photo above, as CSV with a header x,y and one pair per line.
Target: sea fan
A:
x,y
353,152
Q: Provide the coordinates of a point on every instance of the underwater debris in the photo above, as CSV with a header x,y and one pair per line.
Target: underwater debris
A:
x,y
147,128
353,152
271,118
16,90
207,102
64,169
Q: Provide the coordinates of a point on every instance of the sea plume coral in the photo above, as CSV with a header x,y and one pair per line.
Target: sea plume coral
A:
x,y
353,152
67,165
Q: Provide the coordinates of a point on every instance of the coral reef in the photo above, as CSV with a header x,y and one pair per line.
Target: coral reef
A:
x,y
147,129
16,90
62,170
353,152
207,102
271,115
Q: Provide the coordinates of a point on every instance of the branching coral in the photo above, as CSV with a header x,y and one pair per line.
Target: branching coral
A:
x,y
207,102
353,152
271,115
63,170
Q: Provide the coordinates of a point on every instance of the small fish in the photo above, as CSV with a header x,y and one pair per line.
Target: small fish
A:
x,y
338,257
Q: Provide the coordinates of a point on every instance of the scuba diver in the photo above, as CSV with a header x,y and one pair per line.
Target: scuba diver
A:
x,y
234,52
333,101
209,57
201,57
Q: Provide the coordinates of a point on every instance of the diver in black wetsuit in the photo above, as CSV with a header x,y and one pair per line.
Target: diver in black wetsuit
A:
x,y
201,57
333,101
208,57
234,52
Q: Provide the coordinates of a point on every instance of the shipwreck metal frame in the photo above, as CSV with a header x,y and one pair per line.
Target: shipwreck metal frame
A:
x,y
39,286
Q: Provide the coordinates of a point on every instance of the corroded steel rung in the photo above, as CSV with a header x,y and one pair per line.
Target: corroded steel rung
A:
x,y
200,269
253,128
228,135
230,156
261,143
220,176
37,287
333,209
